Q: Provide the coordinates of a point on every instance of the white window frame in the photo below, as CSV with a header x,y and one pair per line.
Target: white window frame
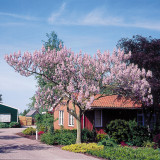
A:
x,y
61,117
95,117
70,119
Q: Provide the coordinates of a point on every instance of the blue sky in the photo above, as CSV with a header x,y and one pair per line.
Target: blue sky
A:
x,y
85,25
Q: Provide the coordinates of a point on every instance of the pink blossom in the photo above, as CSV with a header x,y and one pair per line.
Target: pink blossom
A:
x,y
80,74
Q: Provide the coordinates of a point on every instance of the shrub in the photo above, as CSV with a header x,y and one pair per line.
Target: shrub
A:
x,y
108,142
118,129
14,125
65,138
100,137
48,138
149,144
138,134
29,131
44,122
3,125
87,135
83,147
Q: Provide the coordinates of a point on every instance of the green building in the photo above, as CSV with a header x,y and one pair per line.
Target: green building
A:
x,y
8,114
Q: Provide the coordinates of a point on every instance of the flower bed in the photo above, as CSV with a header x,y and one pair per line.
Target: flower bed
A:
x,y
115,153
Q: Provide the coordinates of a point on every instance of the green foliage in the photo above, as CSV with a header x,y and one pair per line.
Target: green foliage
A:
x,y
24,112
87,135
118,129
14,125
66,136
109,142
126,153
129,132
0,98
44,122
52,42
100,137
83,147
149,144
61,137
48,138
29,131
4,125
137,134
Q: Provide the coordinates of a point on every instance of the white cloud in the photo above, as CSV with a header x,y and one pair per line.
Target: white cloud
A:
x,y
99,17
18,16
55,15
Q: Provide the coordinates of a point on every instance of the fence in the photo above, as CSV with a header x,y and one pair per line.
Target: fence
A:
x,y
25,121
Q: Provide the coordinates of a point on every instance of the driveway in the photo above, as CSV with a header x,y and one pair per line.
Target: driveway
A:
x,y
14,147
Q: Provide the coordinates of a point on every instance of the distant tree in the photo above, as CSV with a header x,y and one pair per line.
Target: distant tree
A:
x,y
24,112
0,98
53,42
146,54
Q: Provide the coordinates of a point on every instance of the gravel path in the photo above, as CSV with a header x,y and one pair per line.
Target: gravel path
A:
x,y
14,147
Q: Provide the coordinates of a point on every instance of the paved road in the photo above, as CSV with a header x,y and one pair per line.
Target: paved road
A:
x,y
14,147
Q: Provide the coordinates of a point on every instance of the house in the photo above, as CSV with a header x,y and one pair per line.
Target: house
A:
x,y
32,113
8,114
103,110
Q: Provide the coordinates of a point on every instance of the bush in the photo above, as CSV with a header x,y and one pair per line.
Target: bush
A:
x,y
87,135
48,138
108,142
65,138
149,144
118,129
100,137
138,134
29,131
44,122
3,125
61,137
83,147
14,125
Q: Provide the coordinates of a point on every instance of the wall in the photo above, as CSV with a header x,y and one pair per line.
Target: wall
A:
x,y
8,110
66,117
108,115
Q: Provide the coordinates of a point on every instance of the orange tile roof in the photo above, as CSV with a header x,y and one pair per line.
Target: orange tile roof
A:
x,y
114,102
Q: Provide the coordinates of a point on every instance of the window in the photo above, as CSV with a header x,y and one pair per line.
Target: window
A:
x,y
61,115
98,118
71,119
141,120
5,117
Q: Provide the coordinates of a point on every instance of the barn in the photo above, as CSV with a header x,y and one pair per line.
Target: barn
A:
x,y
8,114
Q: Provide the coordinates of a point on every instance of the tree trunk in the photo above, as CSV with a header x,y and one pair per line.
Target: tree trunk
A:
x,y
79,130
78,140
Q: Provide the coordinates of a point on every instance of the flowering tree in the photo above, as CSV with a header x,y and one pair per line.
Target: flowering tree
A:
x,y
146,54
78,78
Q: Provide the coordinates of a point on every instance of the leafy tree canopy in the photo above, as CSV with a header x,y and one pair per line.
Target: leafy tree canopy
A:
x,y
146,54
